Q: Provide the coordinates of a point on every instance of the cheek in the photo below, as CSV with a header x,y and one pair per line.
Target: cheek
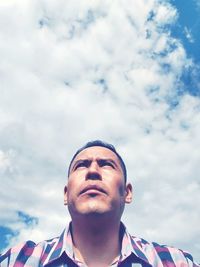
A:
x,y
70,190
73,186
118,188
121,190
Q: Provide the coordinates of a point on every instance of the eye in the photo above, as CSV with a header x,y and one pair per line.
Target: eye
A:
x,y
106,163
81,164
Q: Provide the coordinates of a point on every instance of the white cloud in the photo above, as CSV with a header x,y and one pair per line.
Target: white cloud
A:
x,y
4,161
74,72
165,13
188,35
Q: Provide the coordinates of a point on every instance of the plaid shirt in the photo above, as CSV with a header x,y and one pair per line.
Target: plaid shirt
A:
x,y
58,252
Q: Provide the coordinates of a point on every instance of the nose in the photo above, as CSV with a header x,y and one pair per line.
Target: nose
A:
x,y
93,172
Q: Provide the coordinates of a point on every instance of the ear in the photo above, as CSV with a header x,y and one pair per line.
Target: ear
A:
x,y
65,195
129,193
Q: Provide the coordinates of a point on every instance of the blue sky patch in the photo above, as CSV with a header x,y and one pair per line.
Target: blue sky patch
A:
x,y
25,218
187,26
5,234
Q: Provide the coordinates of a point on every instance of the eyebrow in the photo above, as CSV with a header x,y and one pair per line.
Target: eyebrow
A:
x,y
90,160
107,159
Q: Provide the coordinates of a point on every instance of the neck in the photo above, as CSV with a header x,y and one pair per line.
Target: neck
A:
x,y
96,243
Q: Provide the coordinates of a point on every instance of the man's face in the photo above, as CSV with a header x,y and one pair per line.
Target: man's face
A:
x,y
96,184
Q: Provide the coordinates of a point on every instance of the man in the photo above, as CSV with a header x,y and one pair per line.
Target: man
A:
x,y
96,193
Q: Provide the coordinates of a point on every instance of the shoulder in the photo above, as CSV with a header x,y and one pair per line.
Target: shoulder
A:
x,y
27,251
166,255
14,254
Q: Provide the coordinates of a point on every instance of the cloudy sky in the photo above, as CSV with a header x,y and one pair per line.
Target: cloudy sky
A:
x,y
123,71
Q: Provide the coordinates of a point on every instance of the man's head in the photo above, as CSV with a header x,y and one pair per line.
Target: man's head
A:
x,y
97,182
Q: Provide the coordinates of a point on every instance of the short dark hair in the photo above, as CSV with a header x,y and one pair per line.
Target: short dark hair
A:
x,y
102,144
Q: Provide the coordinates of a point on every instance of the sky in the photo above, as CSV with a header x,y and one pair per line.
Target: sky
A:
x,y
126,72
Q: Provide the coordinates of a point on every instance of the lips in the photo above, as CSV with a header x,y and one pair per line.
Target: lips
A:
x,y
92,189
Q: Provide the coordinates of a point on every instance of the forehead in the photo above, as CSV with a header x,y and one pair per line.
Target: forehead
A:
x,y
97,152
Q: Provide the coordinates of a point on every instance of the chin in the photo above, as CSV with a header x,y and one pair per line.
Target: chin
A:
x,y
93,208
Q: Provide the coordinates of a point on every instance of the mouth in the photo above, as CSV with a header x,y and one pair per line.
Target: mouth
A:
x,y
92,190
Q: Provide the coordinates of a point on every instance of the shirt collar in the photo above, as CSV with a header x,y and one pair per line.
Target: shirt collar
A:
x,y
62,244
130,245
